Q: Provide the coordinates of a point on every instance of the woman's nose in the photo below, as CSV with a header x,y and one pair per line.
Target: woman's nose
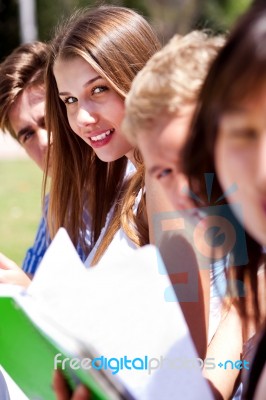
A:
x,y
85,117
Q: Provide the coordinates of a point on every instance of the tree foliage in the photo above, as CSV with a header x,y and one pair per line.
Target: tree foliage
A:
x,y
9,31
220,15
50,12
167,16
181,16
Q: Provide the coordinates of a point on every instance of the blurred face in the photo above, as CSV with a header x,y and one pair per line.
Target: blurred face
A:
x,y
27,120
160,148
95,111
240,158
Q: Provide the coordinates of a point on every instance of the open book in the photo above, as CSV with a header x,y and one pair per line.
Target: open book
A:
x,y
109,327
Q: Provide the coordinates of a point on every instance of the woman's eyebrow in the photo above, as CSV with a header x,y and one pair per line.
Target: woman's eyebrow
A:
x,y
85,85
92,80
237,110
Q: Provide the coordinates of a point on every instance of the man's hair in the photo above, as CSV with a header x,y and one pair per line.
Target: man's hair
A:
x,y
171,78
23,68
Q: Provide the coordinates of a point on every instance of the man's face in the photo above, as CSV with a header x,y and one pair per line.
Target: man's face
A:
x,y
27,120
160,148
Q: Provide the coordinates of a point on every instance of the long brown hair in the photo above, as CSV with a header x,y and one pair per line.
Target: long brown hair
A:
x,y
238,71
116,42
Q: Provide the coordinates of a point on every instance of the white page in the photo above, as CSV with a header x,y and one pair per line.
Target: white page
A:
x,y
121,310
59,267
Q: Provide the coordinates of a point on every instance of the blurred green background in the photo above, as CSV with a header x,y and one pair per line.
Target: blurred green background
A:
x,y
20,206
20,180
168,16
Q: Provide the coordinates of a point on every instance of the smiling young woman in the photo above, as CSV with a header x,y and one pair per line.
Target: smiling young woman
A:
x,y
94,57
94,109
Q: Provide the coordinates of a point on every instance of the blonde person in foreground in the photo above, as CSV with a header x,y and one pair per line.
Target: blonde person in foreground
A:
x,y
159,109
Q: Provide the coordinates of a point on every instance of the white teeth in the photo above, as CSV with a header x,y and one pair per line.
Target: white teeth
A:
x,y
101,136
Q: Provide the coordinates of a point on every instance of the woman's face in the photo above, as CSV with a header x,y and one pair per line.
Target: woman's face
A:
x,y
95,111
240,158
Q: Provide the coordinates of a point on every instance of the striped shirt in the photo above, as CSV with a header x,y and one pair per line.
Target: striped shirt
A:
x,y
42,241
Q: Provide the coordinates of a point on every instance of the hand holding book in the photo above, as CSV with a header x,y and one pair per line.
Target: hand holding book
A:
x,y
115,316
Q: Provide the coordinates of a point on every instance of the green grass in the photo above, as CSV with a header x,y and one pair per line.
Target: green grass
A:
x,y
20,206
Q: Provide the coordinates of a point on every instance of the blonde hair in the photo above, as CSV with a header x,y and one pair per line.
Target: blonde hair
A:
x,y
171,78
116,42
23,68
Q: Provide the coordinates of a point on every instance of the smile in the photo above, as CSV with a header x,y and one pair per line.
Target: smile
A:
x,y
101,136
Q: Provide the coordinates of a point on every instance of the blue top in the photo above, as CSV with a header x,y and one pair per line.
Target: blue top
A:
x,y
35,253
42,241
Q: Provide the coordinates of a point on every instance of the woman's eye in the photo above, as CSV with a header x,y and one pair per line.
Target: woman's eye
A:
x,y
99,89
245,134
164,172
70,100
240,131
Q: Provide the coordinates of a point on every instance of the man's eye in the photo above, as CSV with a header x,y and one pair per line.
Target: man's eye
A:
x,y
23,139
99,89
164,172
70,100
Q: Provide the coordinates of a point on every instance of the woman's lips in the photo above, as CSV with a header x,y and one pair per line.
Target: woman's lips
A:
x,y
101,139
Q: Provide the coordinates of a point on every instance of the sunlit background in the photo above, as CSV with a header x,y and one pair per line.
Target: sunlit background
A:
x,y
28,20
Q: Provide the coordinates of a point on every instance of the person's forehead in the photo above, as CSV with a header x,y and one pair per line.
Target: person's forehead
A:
x,y
35,95
73,72
157,150
166,135
26,107
29,97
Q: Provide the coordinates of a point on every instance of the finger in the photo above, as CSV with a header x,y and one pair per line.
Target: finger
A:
x,y
60,386
3,276
6,263
81,393
17,277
